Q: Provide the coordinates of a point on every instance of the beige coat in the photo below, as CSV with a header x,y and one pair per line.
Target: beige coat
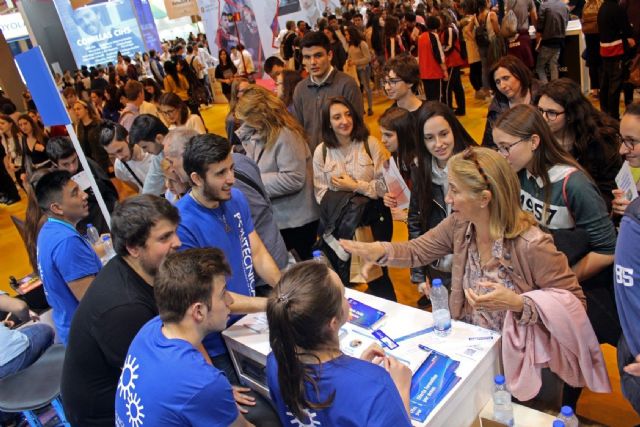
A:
x,y
531,258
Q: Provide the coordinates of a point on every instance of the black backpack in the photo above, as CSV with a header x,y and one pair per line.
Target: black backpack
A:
x,y
482,35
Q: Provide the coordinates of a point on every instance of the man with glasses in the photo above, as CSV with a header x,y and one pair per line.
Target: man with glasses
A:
x,y
629,149
401,83
62,154
324,81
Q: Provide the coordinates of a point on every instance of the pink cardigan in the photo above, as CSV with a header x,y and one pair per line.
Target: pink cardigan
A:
x,y
563,341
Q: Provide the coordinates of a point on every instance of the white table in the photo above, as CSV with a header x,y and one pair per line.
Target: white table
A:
x,y
248,344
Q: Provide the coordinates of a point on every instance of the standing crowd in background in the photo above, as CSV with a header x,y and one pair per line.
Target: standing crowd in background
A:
x,y
527,228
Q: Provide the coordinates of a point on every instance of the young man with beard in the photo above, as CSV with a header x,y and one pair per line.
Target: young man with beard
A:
x,y
66,261
214,214
114,309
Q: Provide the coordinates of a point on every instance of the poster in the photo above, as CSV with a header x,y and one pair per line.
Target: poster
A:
x,y
147,25
97,32
179,8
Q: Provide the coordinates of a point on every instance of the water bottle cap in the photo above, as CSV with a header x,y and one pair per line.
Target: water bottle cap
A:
x,y
499,379
566,411
316,254
558,423
105,238
436,283
89,225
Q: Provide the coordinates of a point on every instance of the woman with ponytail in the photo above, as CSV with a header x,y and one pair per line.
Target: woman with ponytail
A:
x,y
309,378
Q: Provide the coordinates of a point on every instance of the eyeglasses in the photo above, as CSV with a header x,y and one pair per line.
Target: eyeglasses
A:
x,y
505,150
167,112
470,154
551,115
628,142
391,82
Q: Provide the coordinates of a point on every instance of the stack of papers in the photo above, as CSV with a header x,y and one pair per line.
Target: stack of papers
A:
x,y
431,383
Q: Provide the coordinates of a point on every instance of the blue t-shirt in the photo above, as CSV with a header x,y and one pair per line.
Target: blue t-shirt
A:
x,y
627,275
167,382
63,256
365,396
227,228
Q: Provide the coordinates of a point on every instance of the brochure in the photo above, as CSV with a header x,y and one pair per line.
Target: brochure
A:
x,y
364,315
431,383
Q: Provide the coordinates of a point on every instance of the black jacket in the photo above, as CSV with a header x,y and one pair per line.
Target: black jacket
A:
x,y
416,229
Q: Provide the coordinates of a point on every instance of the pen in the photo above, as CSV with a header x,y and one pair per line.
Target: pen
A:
x,y
480,338
424,347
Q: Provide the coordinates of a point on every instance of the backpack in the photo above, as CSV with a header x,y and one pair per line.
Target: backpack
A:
x,y
482,34
509,27
589,18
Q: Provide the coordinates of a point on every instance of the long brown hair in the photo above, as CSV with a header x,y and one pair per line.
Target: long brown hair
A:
x,y
15,133
299,311
35,218
264,111
423,185
38,134
524,121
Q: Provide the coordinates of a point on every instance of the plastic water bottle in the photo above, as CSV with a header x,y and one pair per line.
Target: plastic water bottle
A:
x,y
558,423
320,257
568,417
108,249
502,407
440,308
92,234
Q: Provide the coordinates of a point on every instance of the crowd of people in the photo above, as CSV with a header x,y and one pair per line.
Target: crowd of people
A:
x,y
226,225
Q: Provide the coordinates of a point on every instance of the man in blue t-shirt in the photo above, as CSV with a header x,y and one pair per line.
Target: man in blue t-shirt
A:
x,y
66,261
626,275
213,214
193,301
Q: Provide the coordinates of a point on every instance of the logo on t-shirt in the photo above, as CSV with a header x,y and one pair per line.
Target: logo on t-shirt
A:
x,y
126,390
247,261
311,416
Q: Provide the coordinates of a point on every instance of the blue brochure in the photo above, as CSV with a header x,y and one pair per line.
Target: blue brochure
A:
x,y
431,383
364,315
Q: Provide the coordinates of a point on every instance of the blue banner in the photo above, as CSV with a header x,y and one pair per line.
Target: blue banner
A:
x,y
148,27
38,78
97,32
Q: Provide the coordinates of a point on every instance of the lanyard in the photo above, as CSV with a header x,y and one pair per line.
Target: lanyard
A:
x,y
65,223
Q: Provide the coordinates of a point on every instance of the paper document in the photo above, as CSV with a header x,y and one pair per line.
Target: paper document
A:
x,y
626,183
396,185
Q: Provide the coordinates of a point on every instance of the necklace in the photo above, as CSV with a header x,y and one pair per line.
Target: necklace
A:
x,y
221,217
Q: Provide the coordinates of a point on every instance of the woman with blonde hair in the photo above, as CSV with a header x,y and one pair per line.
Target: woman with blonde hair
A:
x,y
273,139
498,251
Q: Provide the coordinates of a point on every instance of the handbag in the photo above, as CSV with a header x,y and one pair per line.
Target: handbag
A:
x,y
363,234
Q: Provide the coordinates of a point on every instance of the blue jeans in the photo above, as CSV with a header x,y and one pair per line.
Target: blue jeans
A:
x,y
550,56
40,338
630,384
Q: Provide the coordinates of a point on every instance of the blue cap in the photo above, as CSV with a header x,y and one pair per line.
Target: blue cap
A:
x,y
105,238
499,379
89,225
316,254
558,423
566,411
436,282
